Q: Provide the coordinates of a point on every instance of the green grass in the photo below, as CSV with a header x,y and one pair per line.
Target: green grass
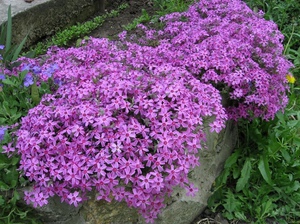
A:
x,y
162,7
66,36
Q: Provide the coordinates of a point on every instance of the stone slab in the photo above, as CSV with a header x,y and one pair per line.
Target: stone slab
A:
x,y
43,18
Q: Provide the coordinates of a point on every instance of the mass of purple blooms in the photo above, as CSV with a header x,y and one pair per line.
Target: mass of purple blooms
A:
x,y
128,118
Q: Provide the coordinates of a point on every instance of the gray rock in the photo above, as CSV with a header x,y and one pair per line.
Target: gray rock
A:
x,y
43,18
180,209
184,209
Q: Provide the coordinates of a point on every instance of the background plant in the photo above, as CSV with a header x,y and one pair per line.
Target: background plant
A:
x,y
9,52
162,7
144,18
78,31
19,93
16,99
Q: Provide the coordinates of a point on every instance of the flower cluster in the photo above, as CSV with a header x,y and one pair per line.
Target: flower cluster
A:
x,y
128,118
226,44
129,131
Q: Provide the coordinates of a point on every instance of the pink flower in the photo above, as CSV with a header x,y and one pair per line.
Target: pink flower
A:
x,y
145,181
191,190
74,198
116,147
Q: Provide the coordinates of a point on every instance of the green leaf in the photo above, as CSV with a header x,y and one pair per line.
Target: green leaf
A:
x,y
231,204
8,29
4,186
15,197
15,160
222,179
232,159
285,155
266,208
263,166
245,175
1,200
293,124
281,118
236,172
11,177
240,215
9,82
18,50
35,93
4,161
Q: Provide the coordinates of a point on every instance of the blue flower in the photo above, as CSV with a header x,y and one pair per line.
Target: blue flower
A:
x,y
58,82
2,76
1,48
28,81
26,67
49,72
2,132
36,70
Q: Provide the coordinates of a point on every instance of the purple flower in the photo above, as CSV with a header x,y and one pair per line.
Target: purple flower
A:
x,y
36,70
58,82
28,80
50,70
26,67
2,47
2,76
2,133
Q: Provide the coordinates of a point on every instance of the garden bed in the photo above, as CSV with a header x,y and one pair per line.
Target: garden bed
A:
x,y
111,29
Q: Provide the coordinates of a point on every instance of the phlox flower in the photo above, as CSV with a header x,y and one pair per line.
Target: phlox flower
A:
x,y
191,190
74,198
116,147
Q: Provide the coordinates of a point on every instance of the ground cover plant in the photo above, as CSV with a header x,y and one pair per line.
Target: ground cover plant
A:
x,y
126,118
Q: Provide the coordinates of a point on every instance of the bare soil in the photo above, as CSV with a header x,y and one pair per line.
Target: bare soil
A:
x,y
113,26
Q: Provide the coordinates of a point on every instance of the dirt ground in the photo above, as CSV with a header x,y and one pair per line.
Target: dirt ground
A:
x,y
114,26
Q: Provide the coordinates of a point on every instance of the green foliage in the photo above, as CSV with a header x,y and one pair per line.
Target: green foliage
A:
x,y
168,6
145,17
64,37
162,7
261,178
10,52
16,100
10,210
